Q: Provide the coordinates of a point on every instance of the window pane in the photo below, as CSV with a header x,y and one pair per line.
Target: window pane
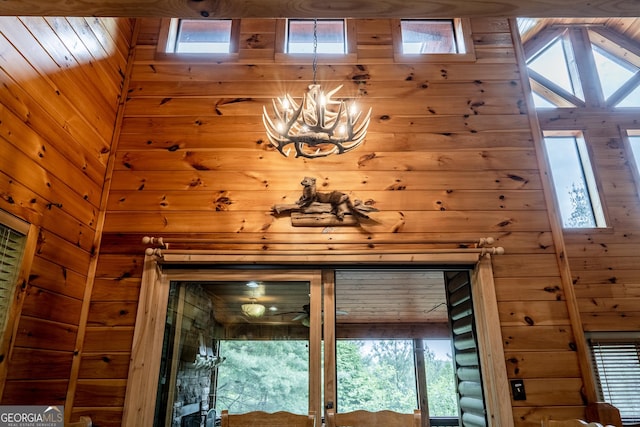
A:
x,y
634,142
330,36
556,63
200,36
632,100
376,375
574,182
428,36
618,372
265,376
234,345
441,379
612,72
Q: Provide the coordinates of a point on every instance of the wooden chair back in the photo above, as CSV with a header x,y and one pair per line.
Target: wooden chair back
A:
x,y
84,421
546,422
268,419
363,418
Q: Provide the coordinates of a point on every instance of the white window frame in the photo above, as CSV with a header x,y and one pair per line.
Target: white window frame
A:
x,y
632,139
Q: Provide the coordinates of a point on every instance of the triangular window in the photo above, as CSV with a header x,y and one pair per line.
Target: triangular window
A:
x,y
559,62
556,63
613,72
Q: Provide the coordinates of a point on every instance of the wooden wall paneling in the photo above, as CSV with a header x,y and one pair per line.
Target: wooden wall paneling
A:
x,y
100,393
108,339
51,306
484,160
104,365
383,200
36,392
353,180
46,274
577,341
59,98
535,364
53,190
33,131
44,334
31,364
60,36
191,140
66,83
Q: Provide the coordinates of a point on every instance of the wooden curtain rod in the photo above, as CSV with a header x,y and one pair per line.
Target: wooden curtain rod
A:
x,y
481,251
163,242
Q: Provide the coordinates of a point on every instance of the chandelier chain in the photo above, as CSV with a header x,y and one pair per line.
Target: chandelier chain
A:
x,y
315,49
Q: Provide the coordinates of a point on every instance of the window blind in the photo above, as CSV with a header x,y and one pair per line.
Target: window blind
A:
x,y
11,250
617,365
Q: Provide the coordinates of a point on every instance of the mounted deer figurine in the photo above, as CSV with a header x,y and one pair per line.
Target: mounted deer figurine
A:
x,y
334,203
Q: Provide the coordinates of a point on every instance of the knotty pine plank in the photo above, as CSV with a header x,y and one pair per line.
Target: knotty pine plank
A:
x,y
383,200
410,221
481,160
515,242
213,106
371,89
611,321
523,313
608,290
212,125
551,391
34,333
108,339
607,277
525,265
347,180
43,364
166,71
378,141
120,266
603,305
61,252
104,366
528,288
127,290
100,392
547,338
117,313
45,274
48,305
535,364
36,392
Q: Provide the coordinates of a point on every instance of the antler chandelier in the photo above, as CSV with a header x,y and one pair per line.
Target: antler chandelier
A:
x,y
317,126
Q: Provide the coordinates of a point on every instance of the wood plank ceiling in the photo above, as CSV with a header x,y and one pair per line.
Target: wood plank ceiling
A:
x,y
314,9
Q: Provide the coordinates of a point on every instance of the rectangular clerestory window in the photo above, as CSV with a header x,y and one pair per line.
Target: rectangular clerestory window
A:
x,y
574,180
197,36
